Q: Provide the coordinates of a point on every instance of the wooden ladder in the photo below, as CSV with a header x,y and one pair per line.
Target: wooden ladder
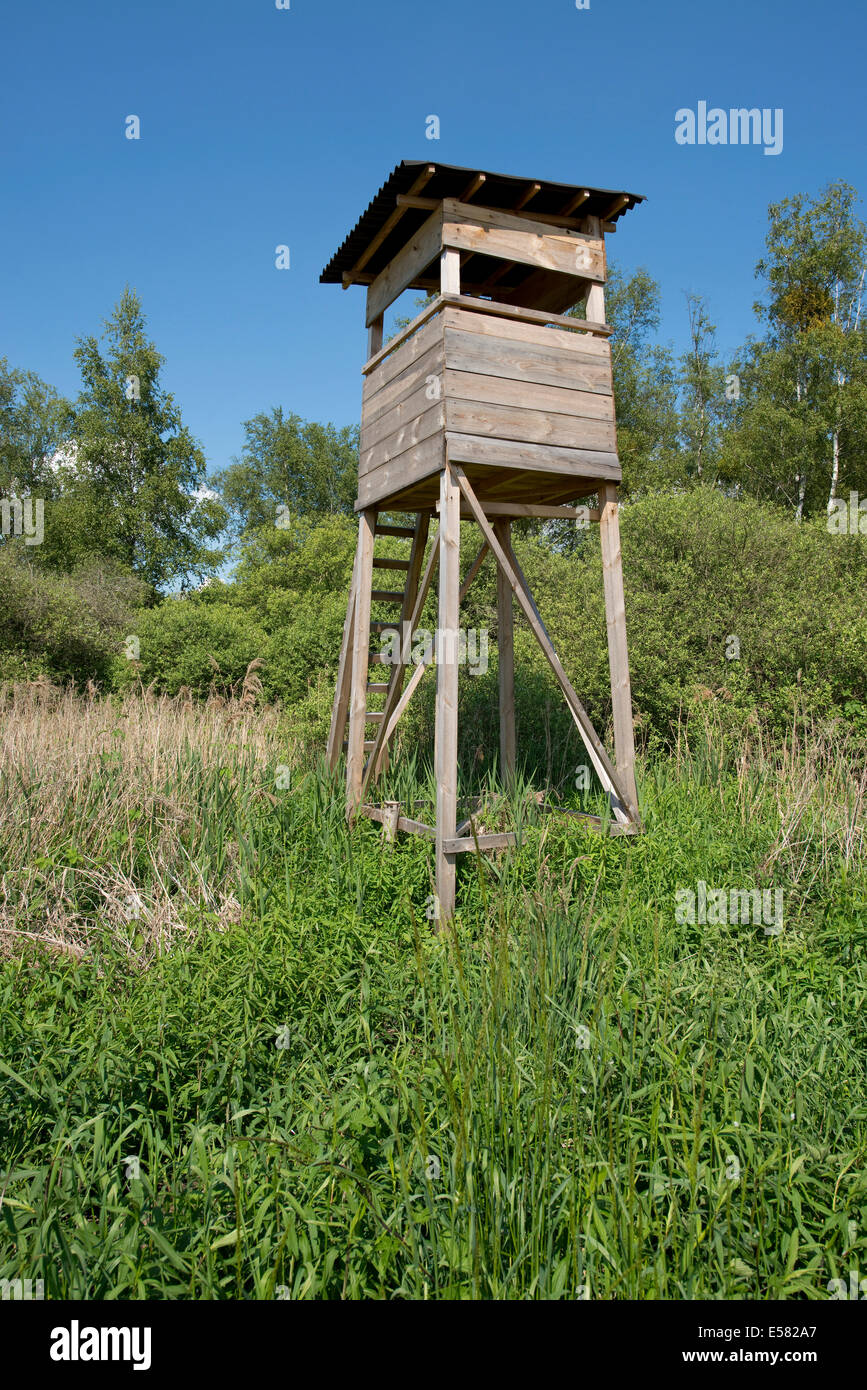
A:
x,y
351,714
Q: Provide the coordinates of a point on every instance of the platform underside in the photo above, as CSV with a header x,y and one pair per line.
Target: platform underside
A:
x,y
497,484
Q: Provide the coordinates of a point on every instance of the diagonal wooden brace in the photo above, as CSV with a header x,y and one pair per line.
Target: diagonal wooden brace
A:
x,y
624,809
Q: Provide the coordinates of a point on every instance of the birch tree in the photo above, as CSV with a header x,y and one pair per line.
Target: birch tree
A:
x,y
813,359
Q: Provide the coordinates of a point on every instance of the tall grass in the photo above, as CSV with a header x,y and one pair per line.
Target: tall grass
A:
x,y
266,1076
121,812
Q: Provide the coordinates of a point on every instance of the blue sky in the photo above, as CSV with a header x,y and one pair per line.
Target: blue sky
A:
x,y
262,127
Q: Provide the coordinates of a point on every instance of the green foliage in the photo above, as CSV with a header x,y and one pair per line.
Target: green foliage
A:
x,y
800,425
286,607
289,468
700,568
34,421
313,555
137,488
295,581
703,397
814,261
203,645
321,1099
65,628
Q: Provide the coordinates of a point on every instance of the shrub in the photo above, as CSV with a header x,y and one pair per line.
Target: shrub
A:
x,y
64,627
189,642
699,569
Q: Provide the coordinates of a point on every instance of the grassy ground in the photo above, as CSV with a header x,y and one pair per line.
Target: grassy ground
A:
x,y
236,1061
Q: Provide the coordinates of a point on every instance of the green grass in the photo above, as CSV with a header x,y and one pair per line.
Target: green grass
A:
x,y
326,1099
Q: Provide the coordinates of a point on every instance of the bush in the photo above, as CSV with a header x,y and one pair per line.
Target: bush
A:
x,y
192,642
295,582
64,627
700,569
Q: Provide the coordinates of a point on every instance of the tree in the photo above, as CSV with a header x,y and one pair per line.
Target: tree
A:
x,y
804,416
34,422
289,468
702,399
645,384
137,490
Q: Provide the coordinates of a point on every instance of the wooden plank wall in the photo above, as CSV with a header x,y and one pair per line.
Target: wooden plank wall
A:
x,y
519,394
402,417
406,266
493,233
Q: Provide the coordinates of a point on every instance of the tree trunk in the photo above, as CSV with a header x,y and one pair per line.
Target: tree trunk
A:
x,y
835,455
802,477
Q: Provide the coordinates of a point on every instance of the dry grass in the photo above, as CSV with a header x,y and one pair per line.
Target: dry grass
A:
x,y
105,806
121,819
812,787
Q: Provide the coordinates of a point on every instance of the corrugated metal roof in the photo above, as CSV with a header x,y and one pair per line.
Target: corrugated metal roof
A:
x,y
451,181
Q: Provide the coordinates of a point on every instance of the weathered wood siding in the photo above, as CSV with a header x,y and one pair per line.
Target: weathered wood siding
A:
x,y
402,417
497,391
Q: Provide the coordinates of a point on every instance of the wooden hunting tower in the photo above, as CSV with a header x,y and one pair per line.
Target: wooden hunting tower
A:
x,y
491,404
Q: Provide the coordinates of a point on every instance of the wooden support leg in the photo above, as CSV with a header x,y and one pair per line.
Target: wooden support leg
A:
x,y
506,659
360,653
446,732
340,708
605,769
618,658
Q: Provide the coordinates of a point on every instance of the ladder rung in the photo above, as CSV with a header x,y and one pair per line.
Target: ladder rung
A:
x,y
384,562
384,627
374,716
378,688
408,531
386,595
369,745
378,659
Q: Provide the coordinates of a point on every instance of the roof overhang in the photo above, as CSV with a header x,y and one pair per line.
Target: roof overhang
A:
x,y
391,220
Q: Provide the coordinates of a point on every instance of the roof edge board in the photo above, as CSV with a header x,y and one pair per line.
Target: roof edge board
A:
x,y
384,203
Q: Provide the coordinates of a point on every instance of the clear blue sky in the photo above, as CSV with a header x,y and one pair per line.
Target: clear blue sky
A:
x,y
262,126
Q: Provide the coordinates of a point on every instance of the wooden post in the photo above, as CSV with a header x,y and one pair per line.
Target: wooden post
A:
x,y
360,653
506,658
450,272
605,769
344,674
374,336
446,729
595,310
618,658
391,816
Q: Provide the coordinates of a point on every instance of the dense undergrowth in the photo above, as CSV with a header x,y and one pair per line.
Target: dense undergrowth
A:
x,y
238,1062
